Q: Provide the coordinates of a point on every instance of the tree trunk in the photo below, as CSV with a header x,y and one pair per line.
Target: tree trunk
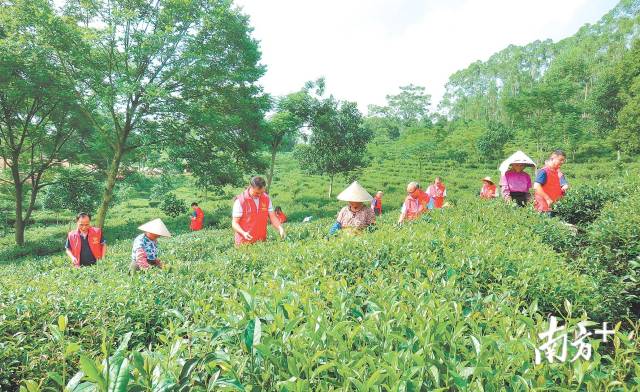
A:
x,y
273,164
19,223
330,186
107,195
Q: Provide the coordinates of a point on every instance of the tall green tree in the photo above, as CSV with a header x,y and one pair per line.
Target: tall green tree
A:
x,y
408,108
38,108
292,113
143,68
491,142
338,141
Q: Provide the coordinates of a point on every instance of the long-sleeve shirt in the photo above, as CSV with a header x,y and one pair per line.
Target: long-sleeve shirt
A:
x,y
144,252
513,181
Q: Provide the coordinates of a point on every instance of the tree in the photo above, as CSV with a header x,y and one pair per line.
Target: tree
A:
x,y
75,190
491,142
338,141
408,108
292,112
37,104
150,70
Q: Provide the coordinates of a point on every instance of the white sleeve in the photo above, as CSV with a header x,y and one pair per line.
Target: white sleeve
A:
x,y
271,209
237,209
404,208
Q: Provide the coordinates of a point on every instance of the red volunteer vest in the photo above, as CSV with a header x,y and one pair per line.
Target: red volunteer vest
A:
x,y
423,198
254,220
94,236
281,217
378,204
437,192
552,188
196,224
488,191
414,208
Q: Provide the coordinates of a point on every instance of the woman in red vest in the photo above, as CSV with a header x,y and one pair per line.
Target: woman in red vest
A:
x,y
413,205
252,209
547,186
85,245
437,191
197,218
281,216
489,190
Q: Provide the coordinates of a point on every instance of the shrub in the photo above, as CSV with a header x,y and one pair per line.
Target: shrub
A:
x,y
173,206
582,205
614,243
74,190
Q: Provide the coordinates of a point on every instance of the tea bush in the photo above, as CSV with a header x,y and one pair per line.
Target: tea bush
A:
x,y
613,244
449,302
583,204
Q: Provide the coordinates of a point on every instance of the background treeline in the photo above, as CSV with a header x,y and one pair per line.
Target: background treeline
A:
x,y
581,94
118,88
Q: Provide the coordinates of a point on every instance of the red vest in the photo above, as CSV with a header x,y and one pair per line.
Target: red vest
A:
x,y
413,207
488,191
378,206
196,224
551,187
437,192
424,198
281,217
94,236
254,220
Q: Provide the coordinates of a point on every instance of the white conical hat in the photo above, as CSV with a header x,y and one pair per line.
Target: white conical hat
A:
x,y
516,157
155,226
355,192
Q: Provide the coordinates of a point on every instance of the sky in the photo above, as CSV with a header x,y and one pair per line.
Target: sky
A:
x,y
366,49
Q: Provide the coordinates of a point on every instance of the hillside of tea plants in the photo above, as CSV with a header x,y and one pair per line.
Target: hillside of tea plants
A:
x,y
454,301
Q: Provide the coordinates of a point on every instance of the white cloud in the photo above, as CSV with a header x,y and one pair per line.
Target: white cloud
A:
x,y
368,48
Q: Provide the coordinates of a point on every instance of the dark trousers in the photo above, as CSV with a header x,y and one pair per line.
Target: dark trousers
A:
x,y
520,198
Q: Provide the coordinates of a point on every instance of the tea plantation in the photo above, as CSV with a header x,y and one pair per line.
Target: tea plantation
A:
x,y
454,301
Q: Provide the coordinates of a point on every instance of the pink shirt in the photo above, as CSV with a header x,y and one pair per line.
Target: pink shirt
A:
x,y
513,181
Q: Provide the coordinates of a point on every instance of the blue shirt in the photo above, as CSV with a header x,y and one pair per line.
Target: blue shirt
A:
x,y
149,247
541,177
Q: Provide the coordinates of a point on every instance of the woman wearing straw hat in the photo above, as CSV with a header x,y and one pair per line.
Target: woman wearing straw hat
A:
x,y
488,190
145,246
515,182
354,217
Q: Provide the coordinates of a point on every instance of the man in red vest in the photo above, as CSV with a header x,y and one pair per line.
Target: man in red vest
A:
x,y
197,217
547,186
413,205
85,246
252,209
437,191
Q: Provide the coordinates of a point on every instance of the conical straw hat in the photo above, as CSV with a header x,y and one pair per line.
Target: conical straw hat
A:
x,y
356,193
157,227
516,157
487,178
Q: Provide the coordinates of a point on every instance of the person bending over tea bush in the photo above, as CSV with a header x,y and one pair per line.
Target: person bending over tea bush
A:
x,y
354,217
145,247
85,245
252,209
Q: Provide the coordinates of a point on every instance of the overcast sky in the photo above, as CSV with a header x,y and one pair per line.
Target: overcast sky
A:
x,y
366,49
